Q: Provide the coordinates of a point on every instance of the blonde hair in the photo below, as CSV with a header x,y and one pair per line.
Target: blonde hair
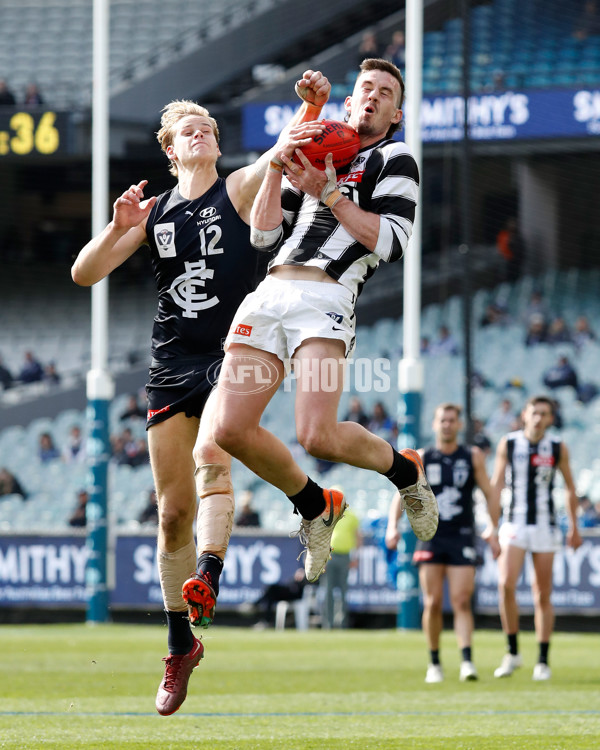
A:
x,y
172,113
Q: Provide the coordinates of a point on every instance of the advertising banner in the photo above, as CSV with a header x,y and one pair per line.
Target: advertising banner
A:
x,y
499,116
50,571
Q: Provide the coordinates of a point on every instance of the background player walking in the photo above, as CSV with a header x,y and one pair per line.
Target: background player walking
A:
x,y
454,470
526,464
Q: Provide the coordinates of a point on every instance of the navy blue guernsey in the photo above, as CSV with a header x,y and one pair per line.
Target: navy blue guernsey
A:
x,y
204,266
452,481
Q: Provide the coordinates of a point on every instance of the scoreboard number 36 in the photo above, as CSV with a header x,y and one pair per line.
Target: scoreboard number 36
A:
x,y
28,133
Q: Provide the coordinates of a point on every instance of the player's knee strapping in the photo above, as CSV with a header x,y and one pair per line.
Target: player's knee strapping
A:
x,y
174,568
216,508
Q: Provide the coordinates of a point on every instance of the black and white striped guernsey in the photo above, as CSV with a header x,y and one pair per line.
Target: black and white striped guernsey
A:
x,y
382,179
530,472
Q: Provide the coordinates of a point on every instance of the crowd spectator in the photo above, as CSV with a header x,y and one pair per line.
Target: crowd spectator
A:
x,y
445,344
511,247
395,52
356,412
150,513
33,98
502,419
78,518
480,438
588,514
536,331
129,450
7,98
368,47
494,314
32,371
247,515
133,410
10,485
537,308
561,374
47,449
51,375
558,332
380,423
74,451
582,332
588,21
6,376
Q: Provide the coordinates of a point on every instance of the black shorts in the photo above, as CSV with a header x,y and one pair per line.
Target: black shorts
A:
x,y
454,548
180,385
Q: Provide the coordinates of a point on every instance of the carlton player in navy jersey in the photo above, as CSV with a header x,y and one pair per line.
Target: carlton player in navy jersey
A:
x,y
526,464
204,265
454,471
330,234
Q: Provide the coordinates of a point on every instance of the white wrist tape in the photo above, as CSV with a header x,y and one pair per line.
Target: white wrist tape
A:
x,y
265,238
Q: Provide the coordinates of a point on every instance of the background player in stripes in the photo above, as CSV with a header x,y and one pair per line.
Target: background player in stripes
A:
x,y
526,464
330,233
454,470
204,265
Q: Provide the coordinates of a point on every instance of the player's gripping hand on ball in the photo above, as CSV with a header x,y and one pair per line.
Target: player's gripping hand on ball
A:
x,y
316,182
130,209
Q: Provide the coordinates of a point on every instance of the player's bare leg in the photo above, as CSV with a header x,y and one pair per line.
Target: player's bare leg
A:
x,y
170,444
510,564
431,578
543,610
461,585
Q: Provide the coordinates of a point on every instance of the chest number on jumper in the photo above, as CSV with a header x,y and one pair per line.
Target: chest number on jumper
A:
x,y
209,239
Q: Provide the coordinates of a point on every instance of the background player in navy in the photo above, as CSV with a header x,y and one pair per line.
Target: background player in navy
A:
x,y
204,265
329,240
526,464
453,471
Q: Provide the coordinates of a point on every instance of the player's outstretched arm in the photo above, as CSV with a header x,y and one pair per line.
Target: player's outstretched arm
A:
x,y
118,240
573,536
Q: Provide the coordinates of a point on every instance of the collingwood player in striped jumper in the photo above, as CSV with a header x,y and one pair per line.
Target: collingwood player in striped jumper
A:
x,y
204,265
329,232
454,470
526,464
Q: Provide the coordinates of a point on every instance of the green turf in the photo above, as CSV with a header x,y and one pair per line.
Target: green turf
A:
x,y
76,686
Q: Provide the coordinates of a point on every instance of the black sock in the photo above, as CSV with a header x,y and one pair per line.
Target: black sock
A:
x,y
403,472
466,653
180,638
544,653
210,566
512,644
435,656
309,502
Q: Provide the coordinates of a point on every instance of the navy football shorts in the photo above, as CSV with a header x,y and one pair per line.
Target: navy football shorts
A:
x,y
181,385
453,548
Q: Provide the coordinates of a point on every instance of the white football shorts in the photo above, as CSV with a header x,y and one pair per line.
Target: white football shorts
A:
x,y
530,537
282,313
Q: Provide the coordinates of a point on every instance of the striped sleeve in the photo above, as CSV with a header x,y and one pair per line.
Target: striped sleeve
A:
x,y
394,199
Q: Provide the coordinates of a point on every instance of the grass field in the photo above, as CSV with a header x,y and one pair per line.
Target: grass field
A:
x,y
76,686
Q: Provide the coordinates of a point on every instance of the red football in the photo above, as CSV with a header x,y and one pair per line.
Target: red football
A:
x,y
338,139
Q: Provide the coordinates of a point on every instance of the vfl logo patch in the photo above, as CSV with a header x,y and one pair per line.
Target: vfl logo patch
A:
x,y
164,235
243,330
336,316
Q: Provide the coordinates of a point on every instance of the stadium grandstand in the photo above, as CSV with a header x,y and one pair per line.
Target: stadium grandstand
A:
x,y
534,80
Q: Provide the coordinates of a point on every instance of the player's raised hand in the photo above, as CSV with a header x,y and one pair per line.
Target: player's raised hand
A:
x,y
303,175
130,209
313,88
